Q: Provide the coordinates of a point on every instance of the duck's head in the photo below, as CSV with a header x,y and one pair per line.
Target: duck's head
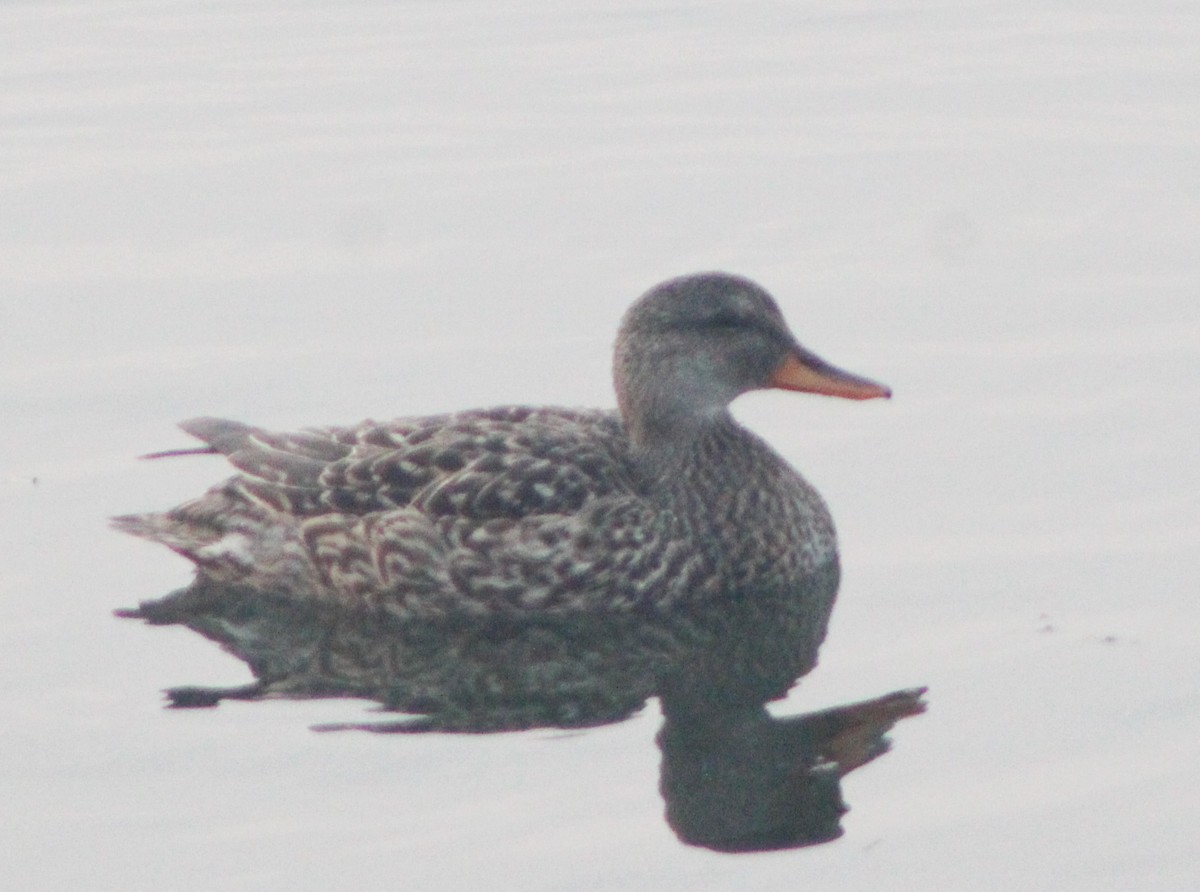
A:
x,y
690,345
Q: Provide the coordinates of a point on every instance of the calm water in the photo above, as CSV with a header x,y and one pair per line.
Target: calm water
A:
x,y
299,214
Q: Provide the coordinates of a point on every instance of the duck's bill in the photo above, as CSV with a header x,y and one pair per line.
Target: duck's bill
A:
x,y
810,373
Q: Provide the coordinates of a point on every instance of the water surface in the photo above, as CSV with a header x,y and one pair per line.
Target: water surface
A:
x,y
302,214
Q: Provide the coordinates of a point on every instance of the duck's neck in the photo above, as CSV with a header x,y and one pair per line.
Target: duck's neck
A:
x,y
735,498
690,452
669,428
669,405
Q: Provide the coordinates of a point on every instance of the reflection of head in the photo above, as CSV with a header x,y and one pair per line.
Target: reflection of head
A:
x,y
747,787
750,782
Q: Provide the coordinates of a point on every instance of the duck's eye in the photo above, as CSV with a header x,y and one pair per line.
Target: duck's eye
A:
x,y
724,321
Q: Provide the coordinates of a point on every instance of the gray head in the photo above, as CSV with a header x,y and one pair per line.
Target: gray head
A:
x,y
689,346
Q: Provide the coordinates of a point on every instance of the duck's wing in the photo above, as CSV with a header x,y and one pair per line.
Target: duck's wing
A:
x,y
502,510
505,510
499,463
617,553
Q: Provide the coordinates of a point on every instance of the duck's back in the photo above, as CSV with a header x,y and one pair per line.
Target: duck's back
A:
x,y
507,462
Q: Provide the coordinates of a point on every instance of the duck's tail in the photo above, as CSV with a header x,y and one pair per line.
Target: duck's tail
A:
x,y
230,535
217,530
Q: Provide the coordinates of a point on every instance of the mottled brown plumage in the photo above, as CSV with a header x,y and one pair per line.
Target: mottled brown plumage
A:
x,y
518,509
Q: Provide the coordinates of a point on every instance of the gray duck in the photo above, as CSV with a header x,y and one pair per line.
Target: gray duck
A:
x,y
519,510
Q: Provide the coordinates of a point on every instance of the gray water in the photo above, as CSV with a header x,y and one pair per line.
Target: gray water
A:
x,y
301,214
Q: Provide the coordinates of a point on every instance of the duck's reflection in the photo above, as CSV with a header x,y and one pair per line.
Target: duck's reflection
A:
x,y
734,777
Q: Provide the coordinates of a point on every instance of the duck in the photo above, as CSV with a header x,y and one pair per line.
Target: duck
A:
x,y
665,502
